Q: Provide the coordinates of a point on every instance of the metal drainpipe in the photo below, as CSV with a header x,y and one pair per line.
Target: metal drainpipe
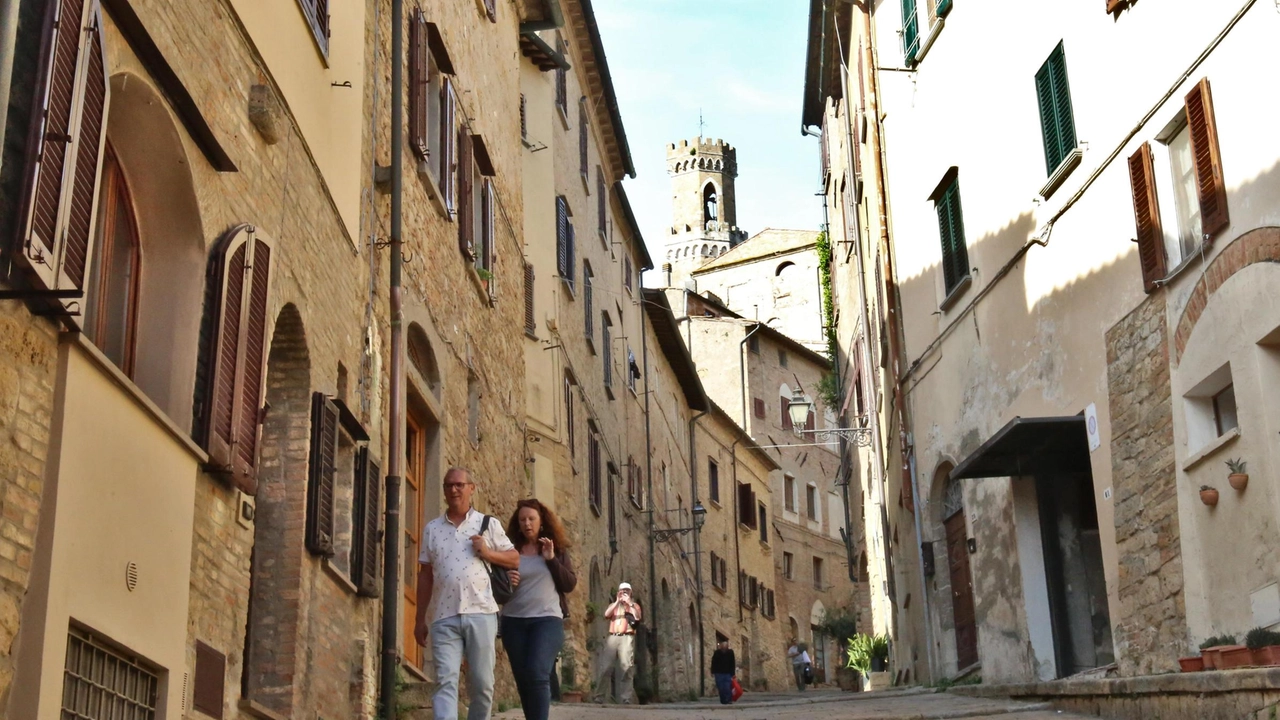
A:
x,y
697,555
395,450
737,513
648,462
742,374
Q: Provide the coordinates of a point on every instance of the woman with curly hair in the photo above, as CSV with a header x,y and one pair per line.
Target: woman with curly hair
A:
x,y
533,619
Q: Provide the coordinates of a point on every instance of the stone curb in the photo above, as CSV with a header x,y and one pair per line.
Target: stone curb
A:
x,y
1170,684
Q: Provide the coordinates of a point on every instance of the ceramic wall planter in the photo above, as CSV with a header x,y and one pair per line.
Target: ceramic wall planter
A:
x,y
571,696
1239,481
1209,496
1191,664
1236,656
1267,656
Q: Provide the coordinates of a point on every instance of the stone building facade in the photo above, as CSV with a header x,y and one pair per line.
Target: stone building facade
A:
x,y
1136,368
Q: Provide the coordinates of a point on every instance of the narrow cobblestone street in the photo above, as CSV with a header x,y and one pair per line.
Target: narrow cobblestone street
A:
x,y
829,705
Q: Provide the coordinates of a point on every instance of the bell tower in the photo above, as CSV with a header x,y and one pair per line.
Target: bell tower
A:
x,y
703,208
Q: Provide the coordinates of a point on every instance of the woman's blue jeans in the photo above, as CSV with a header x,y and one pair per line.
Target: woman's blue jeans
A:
x,y
532,646
724,683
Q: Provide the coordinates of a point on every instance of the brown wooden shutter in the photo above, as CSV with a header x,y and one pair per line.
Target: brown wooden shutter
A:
x,y
1208,160
320,480
758,405
210,681
491,9
746,508
448,142
490,238
466,197
1114,5
562,238
786,412
1146,215
602,205
811,423
530,320
419,78
364,546
67,147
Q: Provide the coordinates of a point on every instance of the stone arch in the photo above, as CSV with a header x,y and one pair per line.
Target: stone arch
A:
x,y
170,286
794,629
1255,246
710,203
706,250
271,657
422,358
783,266
817,613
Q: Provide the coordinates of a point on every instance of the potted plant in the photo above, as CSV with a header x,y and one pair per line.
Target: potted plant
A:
x,y
569,691
1239,477
860,653
1211,650
1265,645
880,653
1194,663
1208,495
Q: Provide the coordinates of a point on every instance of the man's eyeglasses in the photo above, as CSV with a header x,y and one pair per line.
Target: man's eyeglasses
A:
x,y
455,486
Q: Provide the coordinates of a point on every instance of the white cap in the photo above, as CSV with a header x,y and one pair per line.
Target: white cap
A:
x,y
624,586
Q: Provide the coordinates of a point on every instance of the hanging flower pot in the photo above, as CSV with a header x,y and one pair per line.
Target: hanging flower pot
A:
x,y
1239,477
1208,495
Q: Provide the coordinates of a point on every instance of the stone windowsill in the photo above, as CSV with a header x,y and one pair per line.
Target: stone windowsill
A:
x,y
956,293
254,709
338,576
1222,441
428,179
934,32
482,288
1069,163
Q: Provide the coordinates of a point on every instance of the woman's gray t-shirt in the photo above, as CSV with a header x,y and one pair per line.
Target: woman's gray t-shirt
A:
x,y
536,595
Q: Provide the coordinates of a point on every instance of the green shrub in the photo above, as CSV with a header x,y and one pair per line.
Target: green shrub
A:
x,y
1217,640
1261,637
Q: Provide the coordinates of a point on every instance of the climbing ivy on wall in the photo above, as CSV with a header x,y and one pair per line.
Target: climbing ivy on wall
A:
x,y
829,386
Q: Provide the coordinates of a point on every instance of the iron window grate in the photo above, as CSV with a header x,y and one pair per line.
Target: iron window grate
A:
x,y
101,683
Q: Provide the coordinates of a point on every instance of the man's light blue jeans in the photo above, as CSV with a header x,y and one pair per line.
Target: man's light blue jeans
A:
x,y
474,636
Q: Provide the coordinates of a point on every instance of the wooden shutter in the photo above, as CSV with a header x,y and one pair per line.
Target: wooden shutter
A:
x,y
562,238
1146,215
320,480
466,196
448,142
910,31
364,546
811,423
524,118
233,349
1114,5
1210,184
628,272
419,79
530,321
1057,123
571,252
758,405
491,10
602,206
66,147
588,314
786,413
210,681
746,508
582,138
489,238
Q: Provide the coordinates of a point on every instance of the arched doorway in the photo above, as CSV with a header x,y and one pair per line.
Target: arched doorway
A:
x,y
423,475
956,531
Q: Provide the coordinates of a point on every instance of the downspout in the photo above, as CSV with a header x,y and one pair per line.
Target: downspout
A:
x,y
742,374
395,449
648,462
697,555
737,514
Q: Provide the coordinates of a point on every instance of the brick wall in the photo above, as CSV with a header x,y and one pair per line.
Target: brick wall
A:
x,y
1151,630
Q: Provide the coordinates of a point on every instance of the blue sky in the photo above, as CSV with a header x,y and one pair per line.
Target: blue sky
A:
x,y
742,63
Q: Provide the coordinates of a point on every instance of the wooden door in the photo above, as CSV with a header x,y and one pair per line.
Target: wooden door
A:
x,y
415,464
961,591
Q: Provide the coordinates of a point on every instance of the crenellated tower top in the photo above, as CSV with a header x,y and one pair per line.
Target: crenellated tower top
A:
x,y
704,210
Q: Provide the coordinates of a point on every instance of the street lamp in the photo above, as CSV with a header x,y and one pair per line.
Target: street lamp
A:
x,y
699,518
799,411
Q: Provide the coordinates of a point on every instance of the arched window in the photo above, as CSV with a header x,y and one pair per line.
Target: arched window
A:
x,y
782,267
710,204
111,307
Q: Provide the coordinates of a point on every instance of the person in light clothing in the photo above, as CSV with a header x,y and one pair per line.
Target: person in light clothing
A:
x,y
465,622
799,659
618,656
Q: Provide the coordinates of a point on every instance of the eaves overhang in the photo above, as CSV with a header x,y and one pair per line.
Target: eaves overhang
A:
x,y
1028,447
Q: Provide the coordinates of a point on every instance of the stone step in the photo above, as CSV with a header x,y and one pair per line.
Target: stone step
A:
x,y
413,700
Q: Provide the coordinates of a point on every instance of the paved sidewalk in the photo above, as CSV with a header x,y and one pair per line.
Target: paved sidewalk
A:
x,y
827,705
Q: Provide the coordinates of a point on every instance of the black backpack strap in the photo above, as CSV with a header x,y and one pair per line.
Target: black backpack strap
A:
x,y
484,524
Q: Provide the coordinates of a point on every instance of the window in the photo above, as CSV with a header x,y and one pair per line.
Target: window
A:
x,y
473,409
753,344
788,565
565,251
811,502
530,317
747,506
633,370
101,682
342,494
782,358
582,139
789,493
317,15
955,251
634,485
432,107
715,570
562,81
602,208
476,206
628,274
710,205
1057,124
764,523
568,414
757,406
910,32
588,311
110,319
594,489
1224,410
524,118
817,573
606,351
713,481
784,403
1188,170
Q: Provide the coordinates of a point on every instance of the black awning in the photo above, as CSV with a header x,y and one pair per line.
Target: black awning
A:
x,y
1030,446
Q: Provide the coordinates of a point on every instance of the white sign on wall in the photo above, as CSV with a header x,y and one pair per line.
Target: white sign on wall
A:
x,y
1091,425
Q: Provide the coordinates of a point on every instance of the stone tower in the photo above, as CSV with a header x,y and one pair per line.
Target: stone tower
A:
x,y
704,211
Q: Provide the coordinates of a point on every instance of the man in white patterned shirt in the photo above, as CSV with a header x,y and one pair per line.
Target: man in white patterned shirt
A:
x,y
465,622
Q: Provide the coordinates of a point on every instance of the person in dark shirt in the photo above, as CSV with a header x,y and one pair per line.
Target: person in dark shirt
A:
x,y
723,668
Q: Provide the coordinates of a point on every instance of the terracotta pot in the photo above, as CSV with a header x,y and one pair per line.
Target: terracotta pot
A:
x,y
1235,656
1210,657
571,696
1209,497
1267,656
1191,664
1239,481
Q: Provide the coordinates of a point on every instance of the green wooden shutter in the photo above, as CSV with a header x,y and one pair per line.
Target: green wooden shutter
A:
x,y
955,255
1057,122
944,7
910,32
